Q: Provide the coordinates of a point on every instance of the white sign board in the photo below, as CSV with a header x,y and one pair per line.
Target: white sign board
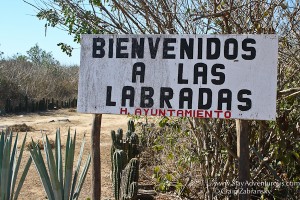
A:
x,y
205,76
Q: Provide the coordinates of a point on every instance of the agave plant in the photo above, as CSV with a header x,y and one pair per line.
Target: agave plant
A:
x,y
60,185
9,166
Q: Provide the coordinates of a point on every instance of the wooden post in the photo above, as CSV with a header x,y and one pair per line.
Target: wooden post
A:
x,y
95,154
242,129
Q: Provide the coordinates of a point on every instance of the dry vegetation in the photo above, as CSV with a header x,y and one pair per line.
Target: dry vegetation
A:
x,y
20,77
20,128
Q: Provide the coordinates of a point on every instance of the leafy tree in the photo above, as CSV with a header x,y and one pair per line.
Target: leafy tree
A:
x,y
19,57
40,57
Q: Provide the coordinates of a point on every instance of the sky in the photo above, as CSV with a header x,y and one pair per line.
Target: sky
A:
x,y
20,30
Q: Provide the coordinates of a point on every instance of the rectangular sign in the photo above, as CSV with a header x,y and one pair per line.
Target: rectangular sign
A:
x,y
204,76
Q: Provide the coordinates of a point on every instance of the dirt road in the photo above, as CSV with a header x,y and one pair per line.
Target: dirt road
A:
x,y
47,123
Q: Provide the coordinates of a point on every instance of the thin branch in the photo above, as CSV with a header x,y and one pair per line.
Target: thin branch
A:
x,y
232,153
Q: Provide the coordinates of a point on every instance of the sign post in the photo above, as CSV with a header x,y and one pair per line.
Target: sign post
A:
x,y
203,76
242,130
96,157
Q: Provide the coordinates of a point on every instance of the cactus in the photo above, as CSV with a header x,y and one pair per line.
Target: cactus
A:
x,y
113,148
129,145
125,181
116,142
133,190
131,136
119,161
119,138
132,141
129,181
131,129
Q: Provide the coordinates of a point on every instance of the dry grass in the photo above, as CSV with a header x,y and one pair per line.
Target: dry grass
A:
x,y
20,128
29,145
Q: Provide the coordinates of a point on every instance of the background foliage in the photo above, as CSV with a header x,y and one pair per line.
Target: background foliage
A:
x,y
36,75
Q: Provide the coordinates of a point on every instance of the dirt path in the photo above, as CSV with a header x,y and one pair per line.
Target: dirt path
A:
x,y
47,123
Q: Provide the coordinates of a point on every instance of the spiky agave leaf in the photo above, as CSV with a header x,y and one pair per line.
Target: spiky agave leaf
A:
x,y
9,166
42,170
76,191
58,156
16,170
82,177
76,174
70,151
22,179
52,169
5,167
58,185
2,142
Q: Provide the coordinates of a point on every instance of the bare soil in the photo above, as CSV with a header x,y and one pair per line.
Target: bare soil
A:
x,y
48,123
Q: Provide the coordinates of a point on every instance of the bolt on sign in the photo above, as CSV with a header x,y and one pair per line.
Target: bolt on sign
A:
x,y
204,76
